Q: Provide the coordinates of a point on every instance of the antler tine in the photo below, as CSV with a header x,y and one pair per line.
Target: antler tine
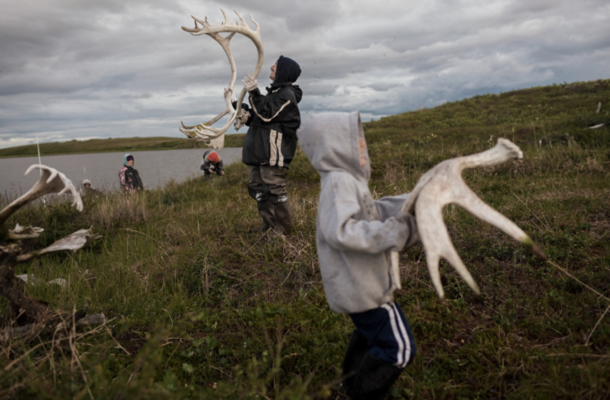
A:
x,y
187,127
243,21
225,15
258,28
196,29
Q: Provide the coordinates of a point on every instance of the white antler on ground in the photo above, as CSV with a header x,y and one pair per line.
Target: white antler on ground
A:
x,y
444,185
73,242
214,137
51,181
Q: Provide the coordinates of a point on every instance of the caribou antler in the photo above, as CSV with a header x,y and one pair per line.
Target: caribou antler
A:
x,y
73,242
444,185
214,136
51,181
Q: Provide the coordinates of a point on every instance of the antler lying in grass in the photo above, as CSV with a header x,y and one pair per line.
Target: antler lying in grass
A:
x,y
73,242
51,181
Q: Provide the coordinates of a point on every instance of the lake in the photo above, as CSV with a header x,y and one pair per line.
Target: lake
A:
x,y
156,168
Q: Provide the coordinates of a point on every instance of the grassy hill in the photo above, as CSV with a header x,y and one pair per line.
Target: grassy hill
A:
x,y
202,309
114,145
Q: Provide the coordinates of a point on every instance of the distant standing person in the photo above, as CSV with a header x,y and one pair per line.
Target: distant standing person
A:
x,y
212,163
271,142
129,176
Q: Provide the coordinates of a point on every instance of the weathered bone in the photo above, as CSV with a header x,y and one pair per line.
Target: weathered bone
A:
x,y
27,232
51,181
444,185
73,242
214,137
34,280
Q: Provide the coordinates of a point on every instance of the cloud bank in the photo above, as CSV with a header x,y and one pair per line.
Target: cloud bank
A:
x,y
106,68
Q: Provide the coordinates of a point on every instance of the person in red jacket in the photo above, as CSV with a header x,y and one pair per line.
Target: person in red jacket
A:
x,y
212,163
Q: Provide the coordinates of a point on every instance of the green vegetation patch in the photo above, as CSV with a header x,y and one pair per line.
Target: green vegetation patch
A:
x,y
199,308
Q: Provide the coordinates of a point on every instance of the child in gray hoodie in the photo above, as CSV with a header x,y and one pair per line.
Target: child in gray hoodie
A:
x,y
355,235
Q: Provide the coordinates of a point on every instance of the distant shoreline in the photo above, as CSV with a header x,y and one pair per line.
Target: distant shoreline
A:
x,y
113,145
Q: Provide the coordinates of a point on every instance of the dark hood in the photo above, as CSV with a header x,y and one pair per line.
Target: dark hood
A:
x,y
288,71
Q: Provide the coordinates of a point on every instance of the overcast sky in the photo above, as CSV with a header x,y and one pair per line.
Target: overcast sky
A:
x,y
80,69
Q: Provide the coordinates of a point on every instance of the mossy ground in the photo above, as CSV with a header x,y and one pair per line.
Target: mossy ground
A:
x,y
200,308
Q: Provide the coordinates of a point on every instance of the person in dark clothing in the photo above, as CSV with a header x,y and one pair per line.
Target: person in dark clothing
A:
x,y
129,176
271,142
212,163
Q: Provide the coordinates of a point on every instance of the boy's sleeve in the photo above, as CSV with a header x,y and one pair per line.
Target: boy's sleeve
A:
x,y
341,230
391,205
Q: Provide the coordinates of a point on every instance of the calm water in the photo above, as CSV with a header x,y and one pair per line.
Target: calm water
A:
x,y
156,168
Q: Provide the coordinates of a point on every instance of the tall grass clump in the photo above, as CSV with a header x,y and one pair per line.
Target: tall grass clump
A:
x,y
200,308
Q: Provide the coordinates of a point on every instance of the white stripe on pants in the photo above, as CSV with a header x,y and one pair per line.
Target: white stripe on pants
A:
x,y
400,335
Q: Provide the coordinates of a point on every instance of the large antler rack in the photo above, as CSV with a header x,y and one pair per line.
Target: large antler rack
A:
x,y
214,137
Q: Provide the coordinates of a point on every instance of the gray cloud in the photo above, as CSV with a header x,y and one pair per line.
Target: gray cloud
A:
x,y
73,69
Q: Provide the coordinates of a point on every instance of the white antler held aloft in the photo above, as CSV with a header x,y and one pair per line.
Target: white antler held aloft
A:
x,y
444,185
214,137
51,181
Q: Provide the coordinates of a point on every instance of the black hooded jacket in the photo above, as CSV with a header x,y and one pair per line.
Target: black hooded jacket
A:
x,y
271,138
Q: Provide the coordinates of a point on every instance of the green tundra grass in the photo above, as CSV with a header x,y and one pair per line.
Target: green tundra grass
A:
x,y
201,309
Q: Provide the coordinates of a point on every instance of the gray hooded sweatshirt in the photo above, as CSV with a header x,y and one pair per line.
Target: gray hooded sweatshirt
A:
x,y
355,233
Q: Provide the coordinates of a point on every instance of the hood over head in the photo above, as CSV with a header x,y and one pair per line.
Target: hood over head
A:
x,y
334,141
287,71
126,158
